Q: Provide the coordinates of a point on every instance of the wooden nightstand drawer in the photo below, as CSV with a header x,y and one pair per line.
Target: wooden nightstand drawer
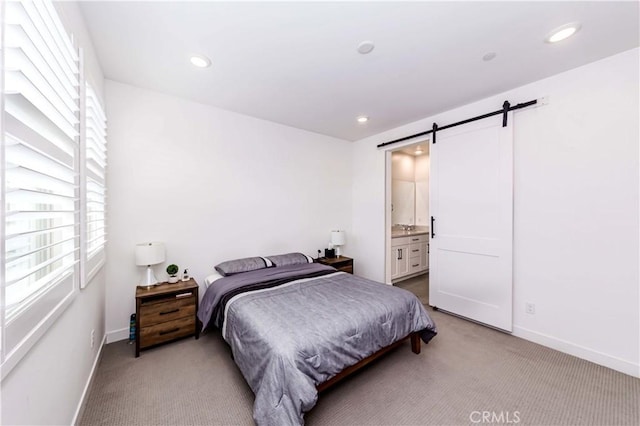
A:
x,y
166,331
341,263
166,310
348,269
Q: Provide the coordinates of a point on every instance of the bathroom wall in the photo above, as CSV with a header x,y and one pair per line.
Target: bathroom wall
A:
x,y
410,173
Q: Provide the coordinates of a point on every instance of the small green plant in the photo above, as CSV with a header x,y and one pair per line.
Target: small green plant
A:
x,y
172,269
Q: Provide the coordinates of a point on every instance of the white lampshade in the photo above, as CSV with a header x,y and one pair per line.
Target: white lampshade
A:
x,y
149,253
338,238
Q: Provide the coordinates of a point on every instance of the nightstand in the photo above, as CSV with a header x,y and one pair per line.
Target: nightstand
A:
x,y
341,263
165,313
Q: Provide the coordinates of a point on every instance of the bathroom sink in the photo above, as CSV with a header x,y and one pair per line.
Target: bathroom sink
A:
x,y
408,233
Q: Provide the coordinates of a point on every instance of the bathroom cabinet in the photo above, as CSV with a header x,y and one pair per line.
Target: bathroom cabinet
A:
x,y
409,255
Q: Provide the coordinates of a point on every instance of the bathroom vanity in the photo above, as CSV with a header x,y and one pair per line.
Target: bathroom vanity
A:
x,y
409,254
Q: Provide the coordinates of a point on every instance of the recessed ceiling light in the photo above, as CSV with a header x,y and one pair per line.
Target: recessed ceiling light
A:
x,y
363,119
562,32
489,56
418,151
365,47
200,61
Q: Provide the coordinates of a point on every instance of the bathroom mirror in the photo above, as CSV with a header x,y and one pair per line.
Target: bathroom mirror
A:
x,y
422,203
403,198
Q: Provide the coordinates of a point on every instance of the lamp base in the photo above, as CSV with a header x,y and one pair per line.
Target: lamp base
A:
x,y
338,251
148,279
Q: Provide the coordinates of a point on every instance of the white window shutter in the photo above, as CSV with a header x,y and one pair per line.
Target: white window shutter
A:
x,y
95,191
40,155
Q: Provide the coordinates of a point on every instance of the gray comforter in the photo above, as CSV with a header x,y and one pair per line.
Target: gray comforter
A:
x,y
292,336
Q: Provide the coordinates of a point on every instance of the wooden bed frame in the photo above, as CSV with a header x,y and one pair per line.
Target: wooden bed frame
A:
x,y
415,348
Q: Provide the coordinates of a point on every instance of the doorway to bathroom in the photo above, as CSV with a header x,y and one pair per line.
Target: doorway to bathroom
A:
x,y
407,254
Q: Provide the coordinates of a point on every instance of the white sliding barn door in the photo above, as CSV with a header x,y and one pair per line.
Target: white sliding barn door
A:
x,y
471,254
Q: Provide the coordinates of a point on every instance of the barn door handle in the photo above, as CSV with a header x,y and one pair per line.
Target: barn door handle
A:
x,y
433,222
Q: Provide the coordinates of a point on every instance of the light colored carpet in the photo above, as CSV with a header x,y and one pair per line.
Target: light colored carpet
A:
x,y
466,370
417,285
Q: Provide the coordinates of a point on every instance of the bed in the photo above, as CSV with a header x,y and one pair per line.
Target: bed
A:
x,y
296,328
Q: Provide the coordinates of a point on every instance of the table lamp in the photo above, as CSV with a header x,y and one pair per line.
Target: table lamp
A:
x,y
148,254
338,238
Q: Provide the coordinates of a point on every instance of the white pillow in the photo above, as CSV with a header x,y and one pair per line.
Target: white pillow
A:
x,y
211,279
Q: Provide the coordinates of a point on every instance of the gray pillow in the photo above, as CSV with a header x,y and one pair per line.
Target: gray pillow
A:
x,y
290,259
247,264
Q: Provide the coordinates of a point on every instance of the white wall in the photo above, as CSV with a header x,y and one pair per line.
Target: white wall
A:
x,y
213,185
403,167
48,384
576,192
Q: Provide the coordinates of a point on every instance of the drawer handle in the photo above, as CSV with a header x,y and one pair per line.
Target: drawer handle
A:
x,y
183,295
415,250
169,312
415,265
415,239
162,333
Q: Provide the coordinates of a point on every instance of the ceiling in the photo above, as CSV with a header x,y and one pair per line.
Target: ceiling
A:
x,y
411,149
296,63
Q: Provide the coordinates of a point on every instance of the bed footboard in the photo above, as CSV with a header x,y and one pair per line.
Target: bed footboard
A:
x,y
415,348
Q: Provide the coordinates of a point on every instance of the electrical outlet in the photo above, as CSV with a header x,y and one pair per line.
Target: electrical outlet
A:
x,y
93,338
530,308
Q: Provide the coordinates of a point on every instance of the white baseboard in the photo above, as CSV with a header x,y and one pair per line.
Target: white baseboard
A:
x,y
600,358
117,335
87,387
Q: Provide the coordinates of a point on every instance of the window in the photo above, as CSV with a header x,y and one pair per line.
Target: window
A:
x,y
95,161
40,155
